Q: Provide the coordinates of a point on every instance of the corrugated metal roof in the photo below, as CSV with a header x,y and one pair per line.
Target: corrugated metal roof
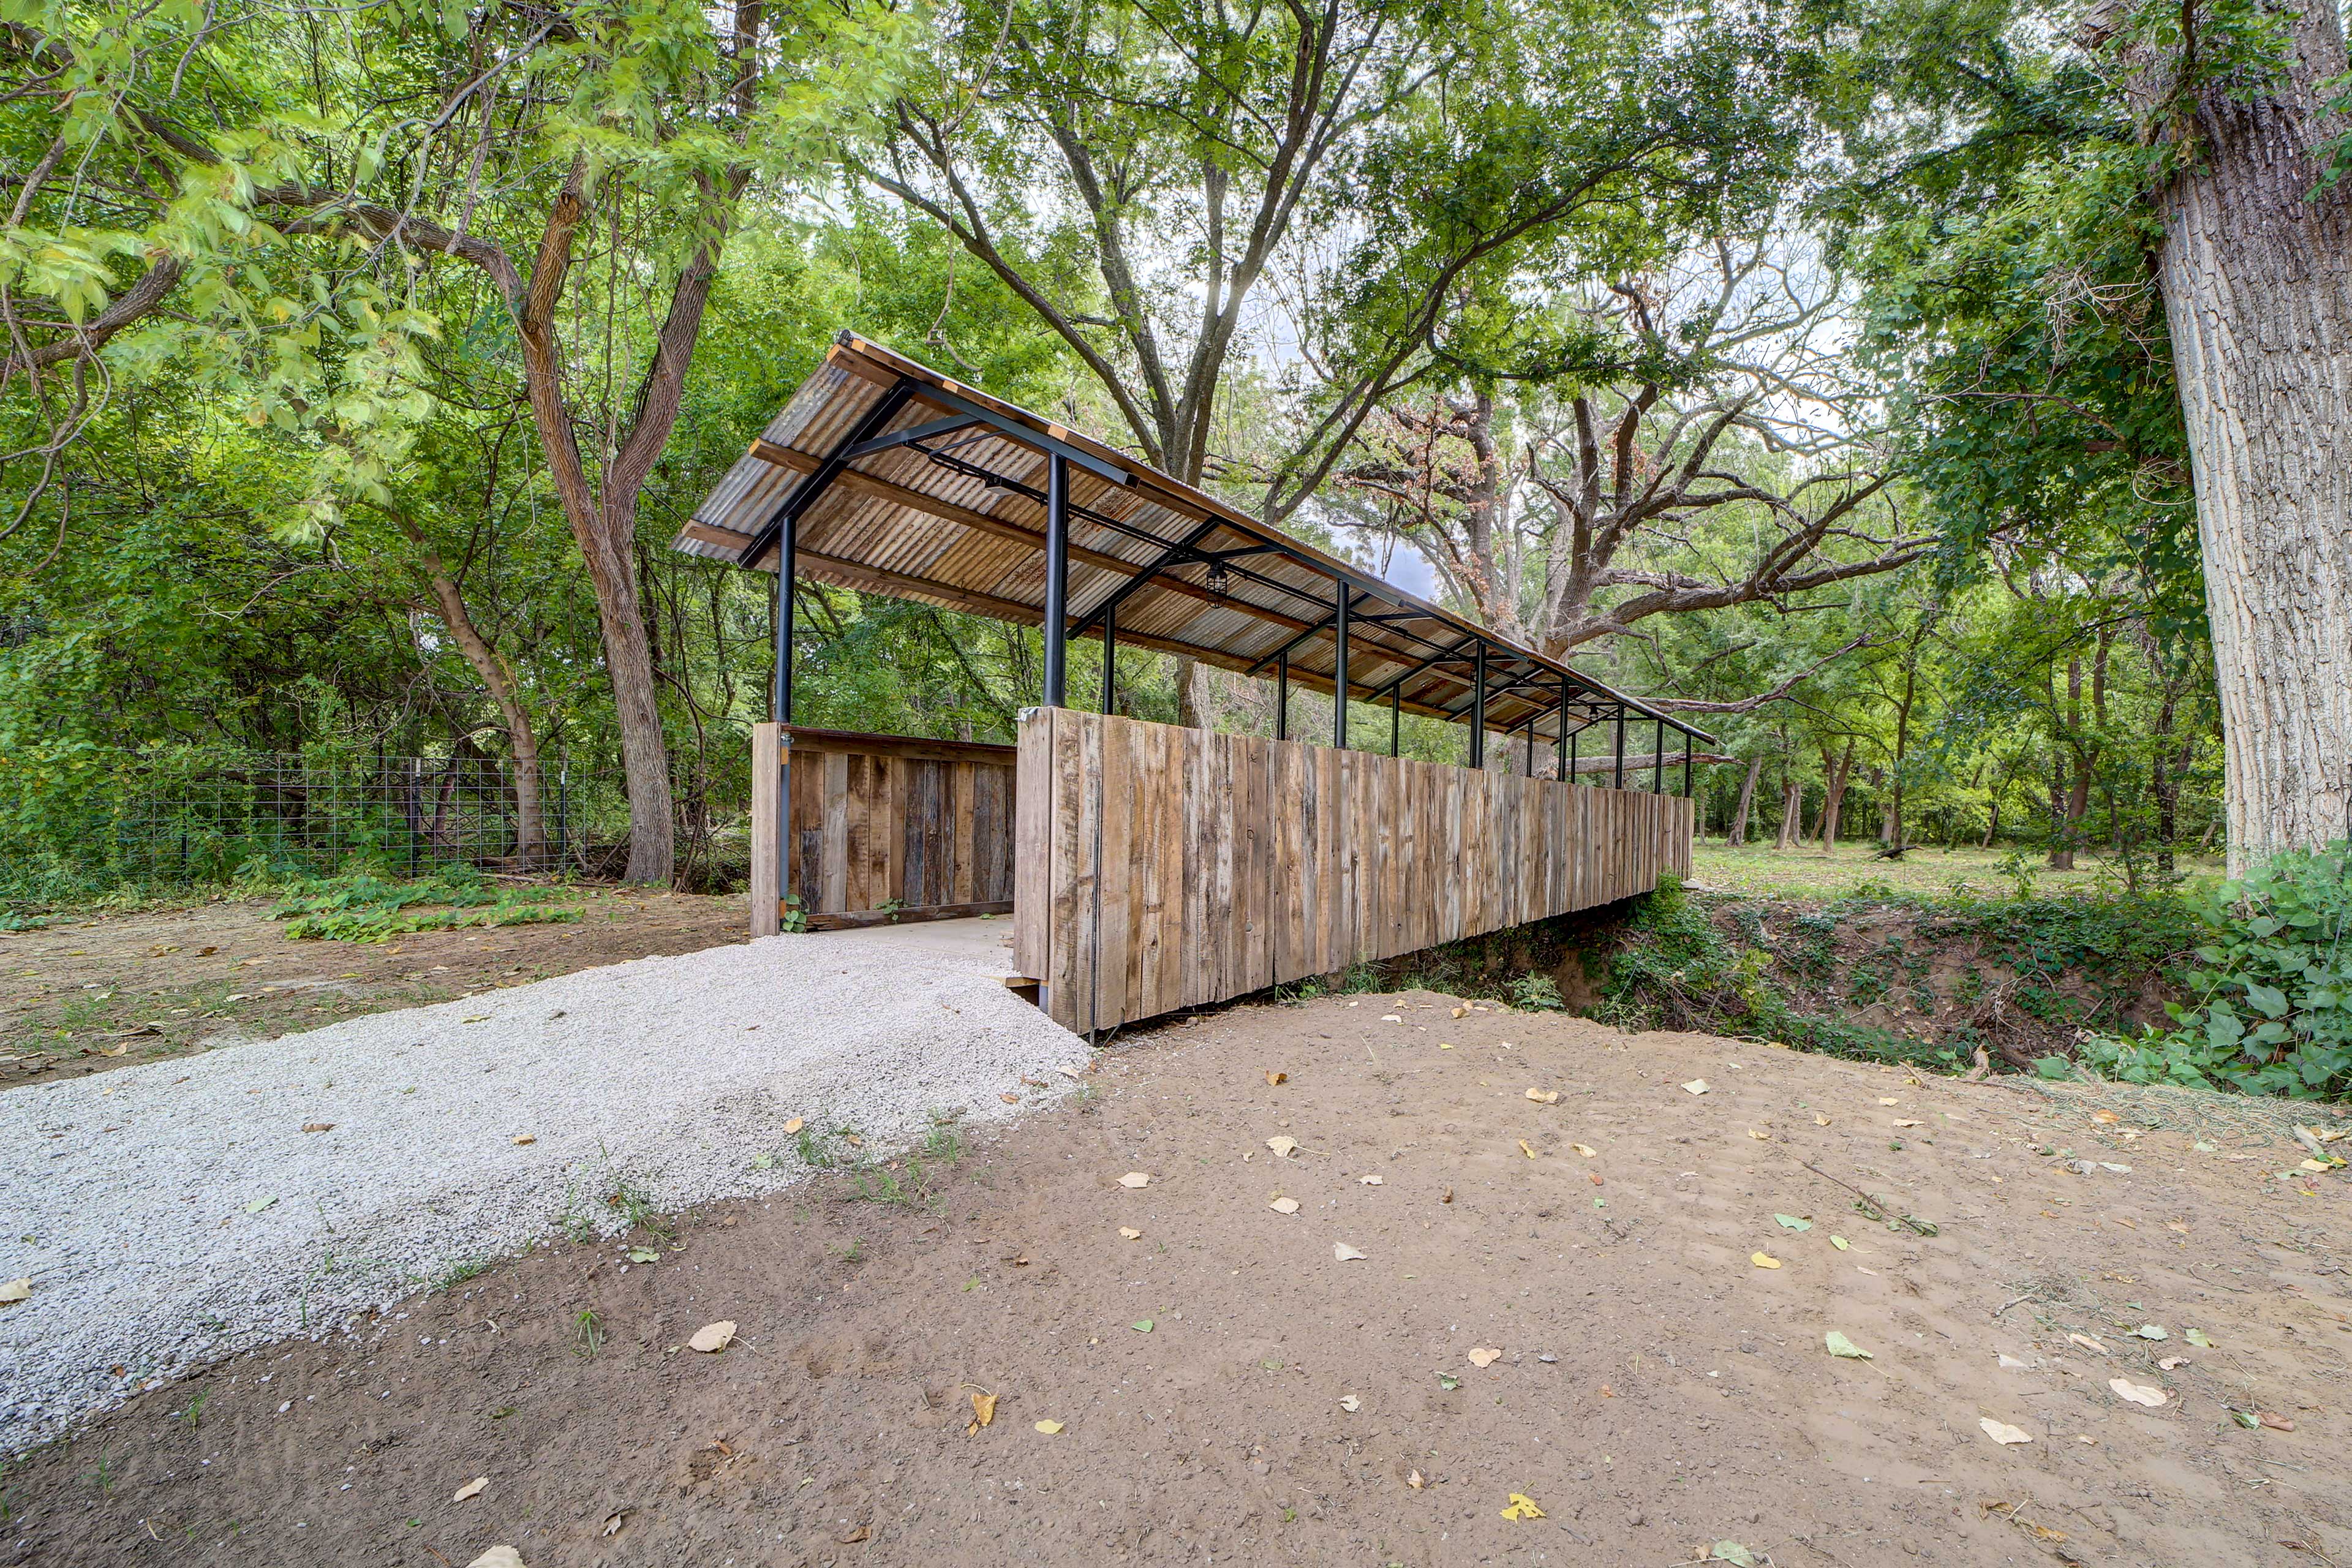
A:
x,y
937,520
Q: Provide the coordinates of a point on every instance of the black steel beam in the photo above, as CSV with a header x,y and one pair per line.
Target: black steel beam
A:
x,y
811,491
1058,576
910,436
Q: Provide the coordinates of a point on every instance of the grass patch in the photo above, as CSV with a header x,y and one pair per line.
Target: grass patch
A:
x,y
358,905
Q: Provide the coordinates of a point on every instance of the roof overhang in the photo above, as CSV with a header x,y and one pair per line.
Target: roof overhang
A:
x,y
901,481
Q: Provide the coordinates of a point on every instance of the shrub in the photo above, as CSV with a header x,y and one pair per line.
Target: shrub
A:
x,y
2272,1012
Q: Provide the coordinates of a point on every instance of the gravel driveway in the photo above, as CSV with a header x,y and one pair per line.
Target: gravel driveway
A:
x,y
173,1214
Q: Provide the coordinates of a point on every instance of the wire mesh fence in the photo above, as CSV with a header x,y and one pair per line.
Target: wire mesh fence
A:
x,y
209,816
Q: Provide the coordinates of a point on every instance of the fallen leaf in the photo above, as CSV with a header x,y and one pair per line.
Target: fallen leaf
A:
x,y
1344,1253
852,1537
2088,1343
1049,1427
1697,1086
522,1138
1446,1196
1594,1177
1485,1356
257,1204
2197,1337
1820,1120
794,1125
1390,1018
1731,1552
1792,1222
1607,1392
497,1557
318,1127
1760,1135
2150,1331
1587,1150
1888,1100
1141,1325
1457,1012
1762,1260
1130,1233
1285,1146
477,1018
644,1255
2002,1432
1283,1205
1448,1382
16,1290
1527,1149
613,1522
2276,1423
1414,1481
2172,1362
2138,1394
1840,1242
983,1411
1369,1181
2107,1116
1522,1508
1905,1123
1009,1099
474,1488
1544,1096
1839,1345
712,1337
1350,1403
1274,1078
1135,1179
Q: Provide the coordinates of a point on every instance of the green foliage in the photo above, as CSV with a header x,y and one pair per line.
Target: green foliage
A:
x,y
2272,1011
1535,993
360,906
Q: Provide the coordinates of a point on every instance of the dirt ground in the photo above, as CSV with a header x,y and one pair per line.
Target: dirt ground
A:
x,y
94,992
1560,1301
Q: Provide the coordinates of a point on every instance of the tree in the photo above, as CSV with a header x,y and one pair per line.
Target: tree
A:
x,y
293,189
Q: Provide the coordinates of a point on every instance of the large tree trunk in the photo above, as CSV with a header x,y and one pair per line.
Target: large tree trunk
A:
x,y
1737,833
2256,272
1834,798
1792,815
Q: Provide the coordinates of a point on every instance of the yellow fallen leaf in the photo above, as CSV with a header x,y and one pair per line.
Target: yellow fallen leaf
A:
x,y
1544,1096
1273,1079
1135,1179
1819,1120
1888,1100
1283,1205
2003,1433
2138,1394
1009,1099
1445,1045
712,1337
1523,1507
794,1125
1369,1181
16,1290
1840,1243
2088,1343
1587,1150
1285,1146
471,1489
1762,1260
1760,1136
1697,1086
1129,1232
522,1138
1049,1427
1459,1011
1526,1150
1906,1124
497,1557
983,1411
1485,1356
1344,1253
1414,1480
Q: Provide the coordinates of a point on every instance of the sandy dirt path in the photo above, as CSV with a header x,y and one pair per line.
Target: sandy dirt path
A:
x,y
1228,1386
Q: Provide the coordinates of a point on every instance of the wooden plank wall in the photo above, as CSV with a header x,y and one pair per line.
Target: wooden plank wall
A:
x,y
1163,868
881,826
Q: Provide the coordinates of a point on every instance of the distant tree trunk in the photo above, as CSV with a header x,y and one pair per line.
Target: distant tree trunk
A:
x,y
2061,845
1738,832
2256,273
1835,796
1792,815
1993,821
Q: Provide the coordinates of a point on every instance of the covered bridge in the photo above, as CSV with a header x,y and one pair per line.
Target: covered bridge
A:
x,y
1148,866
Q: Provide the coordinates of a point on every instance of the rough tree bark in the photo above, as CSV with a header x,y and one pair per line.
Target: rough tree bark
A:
x,y
1835,772
1792,816
1736,833
2256,273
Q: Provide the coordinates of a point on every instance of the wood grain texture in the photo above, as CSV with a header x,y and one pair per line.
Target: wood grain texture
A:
x,y
1163,868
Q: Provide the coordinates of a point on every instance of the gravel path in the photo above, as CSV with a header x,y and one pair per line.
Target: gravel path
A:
x,y
173,1214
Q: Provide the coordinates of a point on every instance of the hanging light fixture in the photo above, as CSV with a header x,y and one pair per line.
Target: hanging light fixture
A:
x,y
1221,581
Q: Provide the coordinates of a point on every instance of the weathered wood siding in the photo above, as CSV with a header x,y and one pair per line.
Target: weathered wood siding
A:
x,y
883,824
1164,868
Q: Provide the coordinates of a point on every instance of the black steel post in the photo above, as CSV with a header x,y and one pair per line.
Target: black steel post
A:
x,y
1339,669
1057,575
1529,768
1282,697
1571,774
779,690
1560,741
1110,659
1687,764
1658,761
1396,722
1620,780
1478,707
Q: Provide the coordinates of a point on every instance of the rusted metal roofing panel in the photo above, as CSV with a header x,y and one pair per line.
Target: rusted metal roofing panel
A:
x,y
946,521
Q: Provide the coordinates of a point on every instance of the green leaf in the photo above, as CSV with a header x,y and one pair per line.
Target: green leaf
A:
x,y
1839,1345
1141,1325
1791,1222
